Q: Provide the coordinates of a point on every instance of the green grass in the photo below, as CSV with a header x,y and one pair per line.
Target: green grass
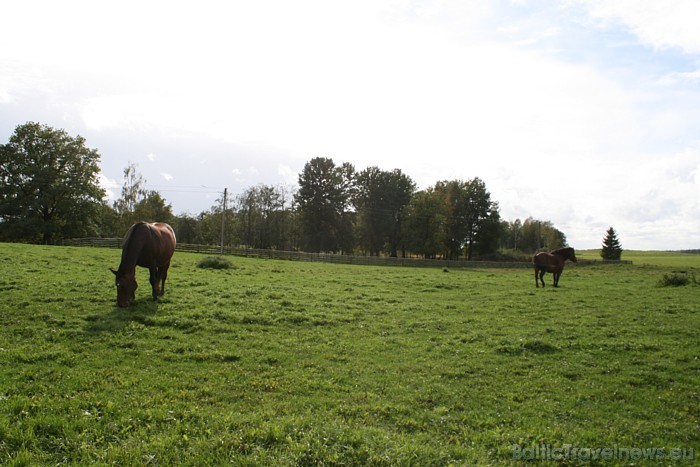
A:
x,y
286,363
655,258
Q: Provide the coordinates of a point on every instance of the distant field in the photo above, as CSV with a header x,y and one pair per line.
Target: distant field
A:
x,y
287,363
656,258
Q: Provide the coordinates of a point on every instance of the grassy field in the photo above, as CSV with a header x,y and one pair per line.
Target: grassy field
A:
x,y
672,259
285,363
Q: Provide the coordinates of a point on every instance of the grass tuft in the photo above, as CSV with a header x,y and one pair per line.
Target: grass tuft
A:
x,y
214,262
676,279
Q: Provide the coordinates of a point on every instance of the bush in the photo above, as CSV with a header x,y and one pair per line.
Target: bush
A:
x,y
675,280
214,262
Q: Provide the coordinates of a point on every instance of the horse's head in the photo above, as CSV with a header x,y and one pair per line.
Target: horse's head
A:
x,y
572,255
126,287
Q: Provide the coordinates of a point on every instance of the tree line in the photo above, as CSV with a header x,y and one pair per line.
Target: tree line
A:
x,y
49,190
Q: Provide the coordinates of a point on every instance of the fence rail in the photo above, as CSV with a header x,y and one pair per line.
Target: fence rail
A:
x,y
321,257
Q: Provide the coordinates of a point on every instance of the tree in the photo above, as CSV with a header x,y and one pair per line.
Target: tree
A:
x,y
612,249
424,226
49,185
536,235
323,201
469,211
210,224
380,200
133,192
153,208
510,238
489,234
263,217
138,203
187,229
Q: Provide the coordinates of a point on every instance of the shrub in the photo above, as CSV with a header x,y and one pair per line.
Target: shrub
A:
x,y
675,280
214,262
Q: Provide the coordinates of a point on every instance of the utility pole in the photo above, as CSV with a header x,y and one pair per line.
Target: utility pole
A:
x,y
223,220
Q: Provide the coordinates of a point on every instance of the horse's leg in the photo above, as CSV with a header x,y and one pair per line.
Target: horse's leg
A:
x,y
557,275
537,284
542,273
163,276
154,281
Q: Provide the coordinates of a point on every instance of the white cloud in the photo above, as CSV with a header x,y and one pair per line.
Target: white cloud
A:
x,y
110,186
168,177
658,23
287,175
672,79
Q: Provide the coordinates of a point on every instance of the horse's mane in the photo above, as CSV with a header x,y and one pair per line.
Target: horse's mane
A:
x,y
129,234
128,237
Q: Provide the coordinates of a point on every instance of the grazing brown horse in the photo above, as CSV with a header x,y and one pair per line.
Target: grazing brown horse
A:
x,y
552,262
150,246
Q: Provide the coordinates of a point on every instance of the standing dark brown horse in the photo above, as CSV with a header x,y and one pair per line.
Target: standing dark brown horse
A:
x,y
552,262
150,246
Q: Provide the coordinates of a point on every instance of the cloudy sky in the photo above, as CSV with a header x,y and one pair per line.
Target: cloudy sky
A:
x,y
582,112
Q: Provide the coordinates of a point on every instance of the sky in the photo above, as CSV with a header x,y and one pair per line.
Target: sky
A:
x,y
585,113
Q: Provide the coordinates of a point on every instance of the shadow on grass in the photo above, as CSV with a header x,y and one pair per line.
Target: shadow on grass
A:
x,y
140,311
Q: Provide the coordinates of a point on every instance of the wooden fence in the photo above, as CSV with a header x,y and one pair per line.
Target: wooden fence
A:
x,y
322,257
307,257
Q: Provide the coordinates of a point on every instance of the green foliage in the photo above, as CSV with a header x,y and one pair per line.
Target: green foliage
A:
x,y
424,225
531,236
49,190
676,279
153,208
265,220
138,204
323,201
214,262
380,199
287,363
48,186
612,249
469,211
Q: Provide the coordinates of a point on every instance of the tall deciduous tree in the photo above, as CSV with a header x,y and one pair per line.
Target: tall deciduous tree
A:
x,y
133,192
49,185
424,226
536,235
510,234
323,202
154,208
612,248
138,203
381,198
264,220
469,212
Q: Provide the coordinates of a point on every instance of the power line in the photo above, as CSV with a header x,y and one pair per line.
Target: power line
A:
x,y
186,189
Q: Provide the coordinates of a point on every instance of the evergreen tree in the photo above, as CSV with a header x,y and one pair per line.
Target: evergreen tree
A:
x,y
612,249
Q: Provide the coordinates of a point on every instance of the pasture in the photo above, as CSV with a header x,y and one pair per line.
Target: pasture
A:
x,y
671,259
286,363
